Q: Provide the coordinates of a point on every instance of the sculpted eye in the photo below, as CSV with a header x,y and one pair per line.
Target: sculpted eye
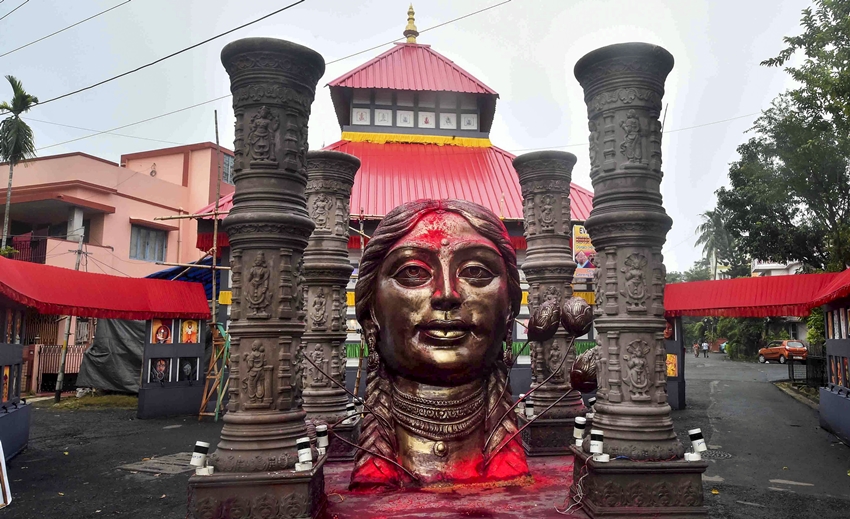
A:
x,y
476,273
412,275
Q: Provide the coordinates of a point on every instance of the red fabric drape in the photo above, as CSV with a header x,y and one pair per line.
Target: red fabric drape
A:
x,y
793,295
61,291
204,242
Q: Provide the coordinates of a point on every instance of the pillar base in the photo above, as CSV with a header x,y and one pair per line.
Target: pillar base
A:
x,y
339,450
548,436
627,489
285,493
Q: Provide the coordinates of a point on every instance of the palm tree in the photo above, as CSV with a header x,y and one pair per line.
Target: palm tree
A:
x,y
16,140
714,238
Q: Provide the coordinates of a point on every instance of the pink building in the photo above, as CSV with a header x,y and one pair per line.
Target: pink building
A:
x,y
55,198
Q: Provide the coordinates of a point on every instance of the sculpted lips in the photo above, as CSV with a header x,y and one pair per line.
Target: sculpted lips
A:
x,y
445,330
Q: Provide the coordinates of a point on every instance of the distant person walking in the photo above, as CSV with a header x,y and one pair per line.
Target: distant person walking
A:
x,y
696,349
705,349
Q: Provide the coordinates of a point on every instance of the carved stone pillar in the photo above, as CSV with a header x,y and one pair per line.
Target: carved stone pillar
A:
x,y
273,84
623,86
327,270
544,177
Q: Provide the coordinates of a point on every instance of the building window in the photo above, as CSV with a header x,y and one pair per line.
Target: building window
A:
x,y
148,244
227,170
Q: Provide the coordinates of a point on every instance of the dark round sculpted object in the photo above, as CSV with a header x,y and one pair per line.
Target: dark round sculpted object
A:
x,y
576,316
583,373
544,322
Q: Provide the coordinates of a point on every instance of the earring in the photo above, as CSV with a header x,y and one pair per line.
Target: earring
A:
x,y
508,354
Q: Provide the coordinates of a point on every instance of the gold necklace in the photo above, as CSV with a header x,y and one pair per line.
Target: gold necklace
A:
x,y
438,420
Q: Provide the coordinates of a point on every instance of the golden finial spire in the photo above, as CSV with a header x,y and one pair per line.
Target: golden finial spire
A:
x,y
410,31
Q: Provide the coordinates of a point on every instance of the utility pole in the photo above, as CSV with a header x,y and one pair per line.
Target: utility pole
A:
x,y
60,378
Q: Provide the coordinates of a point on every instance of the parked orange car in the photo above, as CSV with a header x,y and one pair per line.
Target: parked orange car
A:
x,y
784,351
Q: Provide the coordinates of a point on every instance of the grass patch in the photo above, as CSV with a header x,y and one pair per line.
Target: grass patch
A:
x,y
810,393
94,402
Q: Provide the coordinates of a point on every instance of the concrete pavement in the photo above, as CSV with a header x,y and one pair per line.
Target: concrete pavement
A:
x,y
781,464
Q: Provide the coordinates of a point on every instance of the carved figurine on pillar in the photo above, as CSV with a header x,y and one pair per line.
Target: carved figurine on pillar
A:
x,y
330,177
623,87
545,180
273,84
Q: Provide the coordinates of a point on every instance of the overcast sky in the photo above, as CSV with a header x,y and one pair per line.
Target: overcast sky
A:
x,y
525,50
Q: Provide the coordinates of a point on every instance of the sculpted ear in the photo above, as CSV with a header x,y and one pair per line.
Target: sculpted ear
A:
x,y
371,329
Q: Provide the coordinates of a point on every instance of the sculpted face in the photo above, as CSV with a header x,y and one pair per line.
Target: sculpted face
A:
x,y
442,302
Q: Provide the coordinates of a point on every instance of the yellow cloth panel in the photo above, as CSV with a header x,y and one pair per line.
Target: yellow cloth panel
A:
x,y
439,140
349,298
590,297
225,297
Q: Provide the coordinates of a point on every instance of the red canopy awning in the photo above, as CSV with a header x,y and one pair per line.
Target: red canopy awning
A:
x,y
61,291
793,295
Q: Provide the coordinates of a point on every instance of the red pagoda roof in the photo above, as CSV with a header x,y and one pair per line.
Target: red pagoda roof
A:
x,y
412,66
394,173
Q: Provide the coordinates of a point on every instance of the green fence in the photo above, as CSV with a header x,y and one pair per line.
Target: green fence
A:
x,y
352,348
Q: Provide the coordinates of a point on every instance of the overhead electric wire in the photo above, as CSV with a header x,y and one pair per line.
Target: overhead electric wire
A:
x,y
665,133
113,78
420,32
135,123
97,132
15,9
226,96
62,30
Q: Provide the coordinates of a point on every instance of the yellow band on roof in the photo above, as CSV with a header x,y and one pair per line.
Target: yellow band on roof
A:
x,y
439,140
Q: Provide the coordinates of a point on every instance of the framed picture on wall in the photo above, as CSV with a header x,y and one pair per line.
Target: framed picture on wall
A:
x,y
469,121
189,331
7,379
159,370
847,330
829,334
836,322
448,121
7,333
188,369
360,116
162,331
383,117
426,120
846,372
842,330
832,377
404,118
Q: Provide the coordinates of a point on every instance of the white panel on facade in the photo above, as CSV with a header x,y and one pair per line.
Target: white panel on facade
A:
x,y
426,120
360,116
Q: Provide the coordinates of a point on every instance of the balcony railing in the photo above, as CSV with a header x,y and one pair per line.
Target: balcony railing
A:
x,y
30,248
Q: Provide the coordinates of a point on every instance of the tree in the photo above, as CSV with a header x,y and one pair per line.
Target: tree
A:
x,y
699,271
789,198
16,140
714,238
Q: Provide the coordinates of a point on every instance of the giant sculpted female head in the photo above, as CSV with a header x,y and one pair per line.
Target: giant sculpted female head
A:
x,y
437,293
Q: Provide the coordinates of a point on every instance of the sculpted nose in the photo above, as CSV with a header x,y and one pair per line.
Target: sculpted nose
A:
x,y
445,297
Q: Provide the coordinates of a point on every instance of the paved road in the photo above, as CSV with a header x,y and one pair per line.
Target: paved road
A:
x,y
783,464
70,470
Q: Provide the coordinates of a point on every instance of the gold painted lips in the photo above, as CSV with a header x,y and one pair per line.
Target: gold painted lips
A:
x,y
446,330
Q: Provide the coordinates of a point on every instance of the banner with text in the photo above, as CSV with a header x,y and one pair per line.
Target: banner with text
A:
x,y
583,254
